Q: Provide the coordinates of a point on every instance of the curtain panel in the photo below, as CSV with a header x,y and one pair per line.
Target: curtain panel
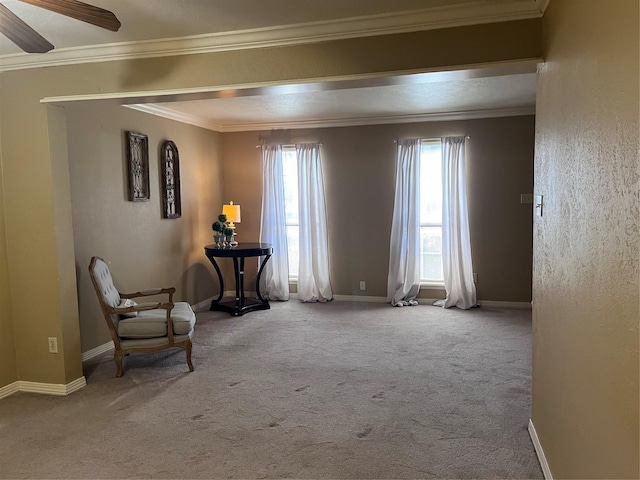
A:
x,y
274,282
314,284
456,242
403,282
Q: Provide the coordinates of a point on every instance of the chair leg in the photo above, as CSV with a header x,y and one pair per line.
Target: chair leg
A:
x,y
117,357
187,348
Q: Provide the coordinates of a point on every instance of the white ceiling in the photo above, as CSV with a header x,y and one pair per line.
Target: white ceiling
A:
x,y
157,27
144,20
419,98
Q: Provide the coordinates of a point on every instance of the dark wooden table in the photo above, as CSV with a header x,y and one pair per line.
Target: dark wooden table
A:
x,y
240,304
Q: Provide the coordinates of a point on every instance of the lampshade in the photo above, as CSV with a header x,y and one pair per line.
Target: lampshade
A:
x,y
232,212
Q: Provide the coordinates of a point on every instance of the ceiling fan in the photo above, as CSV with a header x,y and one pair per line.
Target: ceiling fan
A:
x,y
31,41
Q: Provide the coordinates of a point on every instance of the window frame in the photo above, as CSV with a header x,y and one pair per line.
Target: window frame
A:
x,y
288,150
431,283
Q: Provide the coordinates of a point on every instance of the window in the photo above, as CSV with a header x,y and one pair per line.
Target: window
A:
x,y
431,212
292,218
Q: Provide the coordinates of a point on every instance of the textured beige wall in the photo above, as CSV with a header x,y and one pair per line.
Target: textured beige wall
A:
x,y
30,195
358,165
69,337
8,368
31,238
143,249
585,281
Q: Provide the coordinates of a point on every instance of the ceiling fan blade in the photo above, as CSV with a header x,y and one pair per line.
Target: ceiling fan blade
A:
x,y
80,11
22,34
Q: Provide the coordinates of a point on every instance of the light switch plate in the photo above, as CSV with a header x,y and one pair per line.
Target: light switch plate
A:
x,y
538,205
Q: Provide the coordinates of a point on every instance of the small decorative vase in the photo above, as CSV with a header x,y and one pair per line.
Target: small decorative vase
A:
x,y
228,239
217,239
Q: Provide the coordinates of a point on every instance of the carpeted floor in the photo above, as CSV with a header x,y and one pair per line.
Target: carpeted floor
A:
x,y
339,390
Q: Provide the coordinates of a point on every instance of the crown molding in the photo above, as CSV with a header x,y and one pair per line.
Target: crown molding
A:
x,y
471,13
171,114
542,5
177,116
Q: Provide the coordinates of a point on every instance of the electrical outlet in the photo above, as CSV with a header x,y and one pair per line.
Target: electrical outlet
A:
x,y
363,285
526,198
475,277
53,345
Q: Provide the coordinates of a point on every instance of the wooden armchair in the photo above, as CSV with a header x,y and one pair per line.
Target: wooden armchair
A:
x,y
141,327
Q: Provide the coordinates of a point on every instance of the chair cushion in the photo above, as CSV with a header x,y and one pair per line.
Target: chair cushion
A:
x,y
128,343
104,282
153,323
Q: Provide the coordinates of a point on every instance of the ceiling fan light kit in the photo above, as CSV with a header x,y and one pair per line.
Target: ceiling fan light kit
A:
x,y
25,37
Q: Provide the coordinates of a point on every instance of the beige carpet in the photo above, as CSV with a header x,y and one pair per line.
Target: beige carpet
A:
x,y
339,390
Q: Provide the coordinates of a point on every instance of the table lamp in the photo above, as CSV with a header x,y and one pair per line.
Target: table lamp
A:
x,y
233,216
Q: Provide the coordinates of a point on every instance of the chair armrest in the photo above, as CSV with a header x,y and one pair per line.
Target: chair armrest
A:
x,y
141,307
147,293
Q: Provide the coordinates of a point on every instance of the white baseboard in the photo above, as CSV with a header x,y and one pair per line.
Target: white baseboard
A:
x,y
53,388
202,305
58,389
359,298
372,299
9,389
99,350
205,304
429,301
538,447
501,304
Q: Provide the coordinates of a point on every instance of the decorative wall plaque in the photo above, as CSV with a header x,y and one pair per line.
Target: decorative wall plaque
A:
x,y
170,168
138,166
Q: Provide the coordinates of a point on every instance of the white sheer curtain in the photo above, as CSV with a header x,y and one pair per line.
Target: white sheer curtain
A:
x,y
403,282
456,243
313,275
274,282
